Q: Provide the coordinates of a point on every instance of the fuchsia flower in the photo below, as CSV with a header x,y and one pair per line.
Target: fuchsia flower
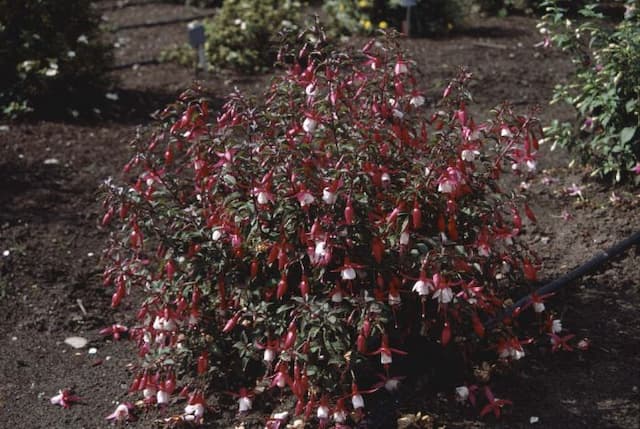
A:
x,y
636,168
423,286
560,343
400,67
450,181
305,198
310,122
494,404
340,413
443,292
195,408
466,393
512,348
417,100
386,352
348,269
122,412
391,384
329,196
64,398
245,401
116,330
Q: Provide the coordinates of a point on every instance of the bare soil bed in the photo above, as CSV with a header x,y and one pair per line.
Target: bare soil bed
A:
x,y
50,245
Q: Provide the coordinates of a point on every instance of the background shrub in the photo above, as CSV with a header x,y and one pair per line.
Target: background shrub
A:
x,y
430,17
242,34
605,90
52,55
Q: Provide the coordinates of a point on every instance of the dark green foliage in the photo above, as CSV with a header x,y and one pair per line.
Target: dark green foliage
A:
x,y
52,53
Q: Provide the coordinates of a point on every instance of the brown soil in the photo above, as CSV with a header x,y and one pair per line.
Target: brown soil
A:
x,y
50,285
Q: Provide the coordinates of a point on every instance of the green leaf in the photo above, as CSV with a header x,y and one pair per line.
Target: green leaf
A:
x,y
627,134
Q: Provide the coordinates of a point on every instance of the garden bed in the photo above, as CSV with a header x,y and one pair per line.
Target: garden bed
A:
x,y
50,272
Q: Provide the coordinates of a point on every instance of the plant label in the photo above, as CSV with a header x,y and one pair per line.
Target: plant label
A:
x,y
196,34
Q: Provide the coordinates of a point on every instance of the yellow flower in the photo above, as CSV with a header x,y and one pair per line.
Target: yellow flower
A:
x,y
366,24
383,25
363,3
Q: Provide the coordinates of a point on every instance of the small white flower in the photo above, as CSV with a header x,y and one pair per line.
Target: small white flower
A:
x,y
392,384
506,132
328,196
195,410
71,54
385,358
417,100
556,326
309,125
516,353
336,297
120,414
538,307
340,416
484,250
215,236
462,393
348,273
422,288
282,415
323,412
306,199
162,397
446,187
83,39
469,155
263,198
149,392
394,299
386,178
400,68
443,295
357,401
244,404
404,238
320,250
310,90
269,355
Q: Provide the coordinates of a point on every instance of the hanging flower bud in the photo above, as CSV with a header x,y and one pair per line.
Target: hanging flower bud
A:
x,y
348,213
446,334
203,362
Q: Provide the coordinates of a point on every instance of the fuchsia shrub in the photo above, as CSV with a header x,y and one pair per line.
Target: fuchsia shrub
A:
x,y
279,244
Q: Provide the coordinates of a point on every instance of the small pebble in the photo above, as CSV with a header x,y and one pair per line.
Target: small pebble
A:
x,y
6,253
76,342
90,254
92,351
534,419
51,161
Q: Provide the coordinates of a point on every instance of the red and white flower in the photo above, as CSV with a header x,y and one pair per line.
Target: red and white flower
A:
x,y
122,412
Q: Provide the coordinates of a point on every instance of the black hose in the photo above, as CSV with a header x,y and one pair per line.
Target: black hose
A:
x,y
589,266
